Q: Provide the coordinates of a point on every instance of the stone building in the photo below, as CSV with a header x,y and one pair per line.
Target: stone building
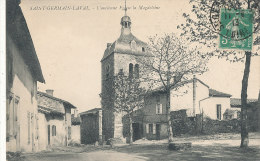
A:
x,y
91,126
54,120
193,98
120,55
23,70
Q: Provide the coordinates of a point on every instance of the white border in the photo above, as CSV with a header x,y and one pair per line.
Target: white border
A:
x,y
2,79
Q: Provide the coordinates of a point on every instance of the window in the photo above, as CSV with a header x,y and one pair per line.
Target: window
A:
x,y
150,128
219,111
15,116
133,44
137,70
69,132
53,130
9,108
130,70
158,108
29,126
143,49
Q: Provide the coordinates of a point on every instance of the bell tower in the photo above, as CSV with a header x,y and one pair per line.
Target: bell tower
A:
x,y
119,56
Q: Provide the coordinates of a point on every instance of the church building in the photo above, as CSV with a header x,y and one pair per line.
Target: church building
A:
x,y
120,55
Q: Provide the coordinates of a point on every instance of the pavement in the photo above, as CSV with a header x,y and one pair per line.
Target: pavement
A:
x,y
213,147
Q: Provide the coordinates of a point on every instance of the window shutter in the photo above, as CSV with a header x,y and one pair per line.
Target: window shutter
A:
x,y
154,128
160,108
29,128
156,109
220,114
147,128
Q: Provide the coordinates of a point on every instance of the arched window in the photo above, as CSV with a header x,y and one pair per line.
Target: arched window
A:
x,y
133,45
131,70
137,70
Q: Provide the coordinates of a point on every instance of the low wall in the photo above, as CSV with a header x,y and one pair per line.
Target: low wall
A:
x,y
181,124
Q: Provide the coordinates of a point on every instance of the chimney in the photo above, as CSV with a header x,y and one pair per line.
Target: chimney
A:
x,y
75,113
49,92
194,83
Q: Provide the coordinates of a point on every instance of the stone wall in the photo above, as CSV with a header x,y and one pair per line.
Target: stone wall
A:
x,y
91,128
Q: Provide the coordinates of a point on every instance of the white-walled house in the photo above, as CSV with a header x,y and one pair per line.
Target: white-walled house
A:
x,y
197,97
54,119
23,71
215,105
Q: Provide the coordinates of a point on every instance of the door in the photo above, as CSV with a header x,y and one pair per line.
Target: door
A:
x,y
136,131
49,134
158,129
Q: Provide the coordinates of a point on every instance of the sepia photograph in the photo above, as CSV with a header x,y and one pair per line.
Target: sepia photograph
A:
x,y
130,80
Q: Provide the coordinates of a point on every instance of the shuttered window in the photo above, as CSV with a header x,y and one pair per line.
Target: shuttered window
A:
x,y
147,128
29,126
150,128
158,108
219,111
69,133
154,128
15,116
9,107
53,130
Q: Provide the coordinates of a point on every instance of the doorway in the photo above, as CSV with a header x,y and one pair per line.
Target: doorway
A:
x,y
158,129
136,131
49,134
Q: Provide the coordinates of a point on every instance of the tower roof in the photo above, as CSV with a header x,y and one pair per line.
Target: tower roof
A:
x,y
127,43
125,19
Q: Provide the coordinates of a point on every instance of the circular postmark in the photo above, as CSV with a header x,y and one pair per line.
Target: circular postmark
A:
x,y
231,22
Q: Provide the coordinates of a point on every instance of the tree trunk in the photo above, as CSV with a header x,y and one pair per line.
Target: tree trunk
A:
x,y
169,126
131,130
244,122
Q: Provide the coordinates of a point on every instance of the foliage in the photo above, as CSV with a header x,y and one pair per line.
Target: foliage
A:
x,y
173,61
128,93
201,28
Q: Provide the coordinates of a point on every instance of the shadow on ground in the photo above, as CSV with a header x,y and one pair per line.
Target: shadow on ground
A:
x,y
197,152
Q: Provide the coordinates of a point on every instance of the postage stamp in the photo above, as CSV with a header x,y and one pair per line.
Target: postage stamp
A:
x,y
236,28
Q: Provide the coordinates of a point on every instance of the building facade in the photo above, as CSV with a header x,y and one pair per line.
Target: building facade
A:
x,y
193,98
54,119
91,126
23,71
120,55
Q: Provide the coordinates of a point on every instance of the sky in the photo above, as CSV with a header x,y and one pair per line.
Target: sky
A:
x,y
70,37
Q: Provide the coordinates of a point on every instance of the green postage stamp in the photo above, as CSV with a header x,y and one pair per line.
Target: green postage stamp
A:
x,y
236,29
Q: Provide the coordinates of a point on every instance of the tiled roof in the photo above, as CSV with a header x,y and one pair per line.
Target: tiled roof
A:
x,y
215,93
123,46
18,31
92,111
50,110
236,102
55,98
230,112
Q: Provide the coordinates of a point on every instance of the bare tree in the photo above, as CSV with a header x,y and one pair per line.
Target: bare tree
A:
x,y
203,26
171,64
128,96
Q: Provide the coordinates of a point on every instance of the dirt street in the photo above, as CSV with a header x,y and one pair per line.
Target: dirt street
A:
x,y
217,147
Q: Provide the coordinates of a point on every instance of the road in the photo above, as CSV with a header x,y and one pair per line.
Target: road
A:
x,y
220,148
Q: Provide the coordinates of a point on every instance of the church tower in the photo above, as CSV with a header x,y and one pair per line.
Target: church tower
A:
x,y
119,56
